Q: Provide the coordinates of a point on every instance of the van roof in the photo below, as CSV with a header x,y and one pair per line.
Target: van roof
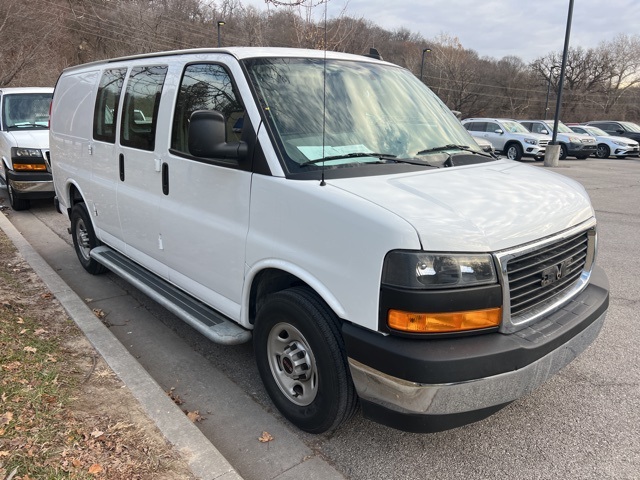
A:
x,y
9,90
241,53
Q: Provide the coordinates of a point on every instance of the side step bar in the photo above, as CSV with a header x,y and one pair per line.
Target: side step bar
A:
x,y
203,318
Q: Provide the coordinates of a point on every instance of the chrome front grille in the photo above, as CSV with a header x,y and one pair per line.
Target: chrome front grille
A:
x,y
543,143
543,276
545,273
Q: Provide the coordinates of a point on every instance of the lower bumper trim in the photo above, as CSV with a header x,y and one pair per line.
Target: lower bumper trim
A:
x,y
410,398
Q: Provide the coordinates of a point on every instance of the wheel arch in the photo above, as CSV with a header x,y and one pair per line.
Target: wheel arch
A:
x,y
272,276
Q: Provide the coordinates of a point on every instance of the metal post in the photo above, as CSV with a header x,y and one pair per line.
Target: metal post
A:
x,y
220,24
422,64
562,69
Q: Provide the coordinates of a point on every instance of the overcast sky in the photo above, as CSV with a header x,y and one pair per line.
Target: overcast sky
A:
x,y
497,28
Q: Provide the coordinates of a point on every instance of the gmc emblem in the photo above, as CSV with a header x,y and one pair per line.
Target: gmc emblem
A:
x,y
554,273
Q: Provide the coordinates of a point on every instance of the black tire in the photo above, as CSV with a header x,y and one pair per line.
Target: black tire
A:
x,y
301,358
603,151
514,151
84,239
582,157
538,158
17,203
563,151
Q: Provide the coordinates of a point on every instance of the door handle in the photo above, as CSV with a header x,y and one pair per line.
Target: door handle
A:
x,y
165,178
121,166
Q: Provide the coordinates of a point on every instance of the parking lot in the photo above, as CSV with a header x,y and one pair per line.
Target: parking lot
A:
x,y
581,424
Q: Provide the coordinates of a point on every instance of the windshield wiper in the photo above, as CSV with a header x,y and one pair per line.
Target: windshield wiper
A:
x,y
465,148
380,156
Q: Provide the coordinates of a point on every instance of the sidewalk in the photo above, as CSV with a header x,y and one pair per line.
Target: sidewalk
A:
x,y
203,459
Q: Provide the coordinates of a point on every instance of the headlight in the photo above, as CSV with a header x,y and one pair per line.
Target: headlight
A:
x,y
622,144
421,270
575,140
26,152
532,141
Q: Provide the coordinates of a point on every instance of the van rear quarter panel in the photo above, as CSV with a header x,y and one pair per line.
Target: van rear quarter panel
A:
x,y
71,131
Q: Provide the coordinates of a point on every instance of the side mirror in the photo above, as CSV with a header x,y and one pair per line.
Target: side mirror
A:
x,y
208,139
620,131
499,131
544,131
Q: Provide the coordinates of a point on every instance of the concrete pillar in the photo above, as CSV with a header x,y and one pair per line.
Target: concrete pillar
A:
x,y
552,156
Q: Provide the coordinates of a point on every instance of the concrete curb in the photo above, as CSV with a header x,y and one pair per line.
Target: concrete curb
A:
x,y
204,460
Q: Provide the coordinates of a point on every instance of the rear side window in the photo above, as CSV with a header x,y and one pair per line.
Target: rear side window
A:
x,y
106,110
140,108
206,87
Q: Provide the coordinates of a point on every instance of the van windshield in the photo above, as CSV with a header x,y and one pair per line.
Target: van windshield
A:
x,y
369,108
26,110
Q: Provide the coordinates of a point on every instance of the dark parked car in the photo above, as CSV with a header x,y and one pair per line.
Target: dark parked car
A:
x,y
620,129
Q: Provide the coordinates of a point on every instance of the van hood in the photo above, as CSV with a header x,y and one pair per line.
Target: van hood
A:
x,y
37,138
479,208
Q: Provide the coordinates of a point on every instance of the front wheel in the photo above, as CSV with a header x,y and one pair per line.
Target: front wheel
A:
x,y
563,151
17,203
514,152
603,151
84,239
301,358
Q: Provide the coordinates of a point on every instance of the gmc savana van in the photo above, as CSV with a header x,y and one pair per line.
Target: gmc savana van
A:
x,y
24,144
331,209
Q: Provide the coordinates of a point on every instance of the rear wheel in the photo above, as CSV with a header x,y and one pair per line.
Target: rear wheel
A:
x,y
84,239
514,152
301,358
603,151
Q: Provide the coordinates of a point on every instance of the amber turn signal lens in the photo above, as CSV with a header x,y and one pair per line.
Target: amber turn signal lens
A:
x,y
30,167
412,322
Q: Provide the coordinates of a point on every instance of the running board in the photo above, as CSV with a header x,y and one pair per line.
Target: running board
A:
x,y
203,318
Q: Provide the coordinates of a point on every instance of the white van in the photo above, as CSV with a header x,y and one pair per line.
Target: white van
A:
x,y
331,208
24,144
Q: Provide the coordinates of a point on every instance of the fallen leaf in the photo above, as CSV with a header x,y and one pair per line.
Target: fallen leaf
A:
x,y
23,331
40,331
30,349
98,312
194,416
265,437
97,433
95,468
6,418
46,295
20,320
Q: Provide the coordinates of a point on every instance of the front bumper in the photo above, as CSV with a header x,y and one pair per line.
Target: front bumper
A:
x,y
581,149
433,385
31,185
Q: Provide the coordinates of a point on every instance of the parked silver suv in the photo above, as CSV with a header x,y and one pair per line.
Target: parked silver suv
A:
x,y
508,137
572,144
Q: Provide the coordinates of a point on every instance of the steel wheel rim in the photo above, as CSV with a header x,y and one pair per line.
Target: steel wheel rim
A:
x,y
82,237
292,364
512,153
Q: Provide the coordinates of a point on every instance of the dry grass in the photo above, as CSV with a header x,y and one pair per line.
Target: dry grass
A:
x,y
63,413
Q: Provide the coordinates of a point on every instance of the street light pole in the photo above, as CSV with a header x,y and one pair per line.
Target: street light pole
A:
x,y
422,64
546,103
565,53
220,24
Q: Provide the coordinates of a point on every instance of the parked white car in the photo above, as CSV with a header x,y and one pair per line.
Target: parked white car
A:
x,y
608,144
24,144
509,137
